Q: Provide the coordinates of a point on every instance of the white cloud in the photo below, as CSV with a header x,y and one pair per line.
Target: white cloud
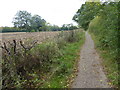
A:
x,y
53,11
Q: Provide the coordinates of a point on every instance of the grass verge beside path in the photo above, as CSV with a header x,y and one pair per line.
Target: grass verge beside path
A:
x,y
65,72
109,64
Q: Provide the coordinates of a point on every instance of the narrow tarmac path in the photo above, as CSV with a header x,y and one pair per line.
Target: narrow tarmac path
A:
x,y
90,73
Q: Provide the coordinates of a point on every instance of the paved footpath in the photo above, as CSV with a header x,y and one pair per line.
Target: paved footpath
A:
x,y
90,74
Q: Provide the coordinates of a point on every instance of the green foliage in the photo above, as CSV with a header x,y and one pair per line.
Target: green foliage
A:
x,y
71,36
63,28
68,37
12,29
68,27
68,60
24,20
46,53
101,19
33,30
105,28
53,27
37,23
29,68
86,13
22,64
109,63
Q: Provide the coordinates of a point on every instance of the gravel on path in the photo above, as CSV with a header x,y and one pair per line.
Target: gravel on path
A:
x,y
90,73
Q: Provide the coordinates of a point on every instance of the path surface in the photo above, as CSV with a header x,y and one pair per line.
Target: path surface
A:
x,y
90,73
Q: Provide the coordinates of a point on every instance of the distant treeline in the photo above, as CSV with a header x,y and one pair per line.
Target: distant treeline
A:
x,y
48,28
11,29
25,22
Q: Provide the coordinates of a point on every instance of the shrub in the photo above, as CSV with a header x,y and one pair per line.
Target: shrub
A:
x,y
46,53
22,61
72,36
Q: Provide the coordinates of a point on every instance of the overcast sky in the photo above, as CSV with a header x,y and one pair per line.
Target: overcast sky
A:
x,y
56,12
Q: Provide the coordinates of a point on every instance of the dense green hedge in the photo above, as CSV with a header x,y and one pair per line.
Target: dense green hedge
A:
x,y
105,29
102,20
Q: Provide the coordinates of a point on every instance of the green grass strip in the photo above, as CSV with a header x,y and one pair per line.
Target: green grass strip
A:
x,y
62,76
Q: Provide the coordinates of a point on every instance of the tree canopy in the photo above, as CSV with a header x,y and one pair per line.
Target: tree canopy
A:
x,y
22,19
86,13
25,20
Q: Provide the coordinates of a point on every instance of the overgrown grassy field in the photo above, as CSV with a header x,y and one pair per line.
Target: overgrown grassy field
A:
x,y
51,64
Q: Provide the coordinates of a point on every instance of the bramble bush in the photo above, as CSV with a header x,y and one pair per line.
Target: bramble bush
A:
x,y
23,63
